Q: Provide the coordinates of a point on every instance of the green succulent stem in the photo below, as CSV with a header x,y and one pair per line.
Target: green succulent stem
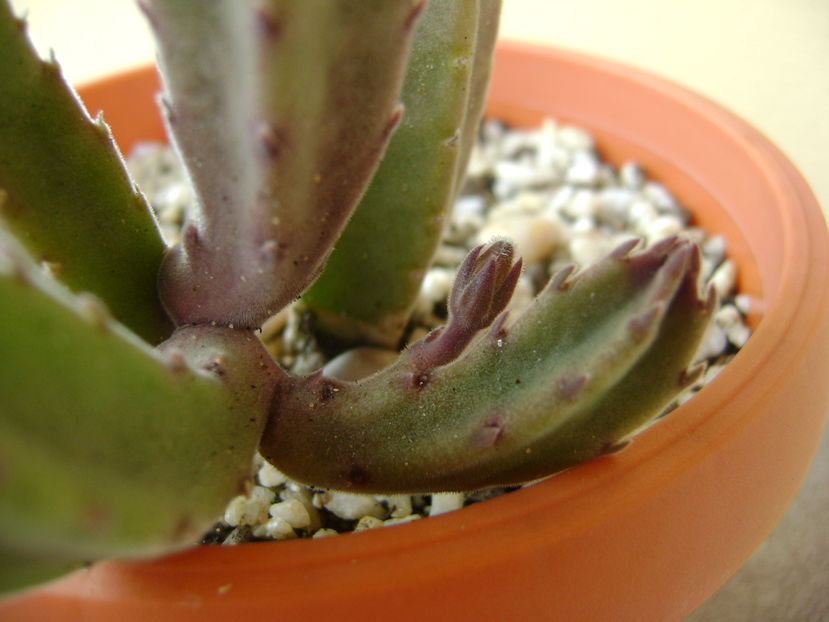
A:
x,y
372,279
122,449
280,124
64,191
596,357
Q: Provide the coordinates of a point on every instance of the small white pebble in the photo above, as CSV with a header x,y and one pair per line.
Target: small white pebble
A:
x,y
446,502
588,247
729,318
399,505
462,226
584,169
613,203
276,528
641,213
606,176
302,494
662,227
324,533
551,155
268,475
631,175
291,511
743,303
368,522
294,490
450,256
513,176
274,324
391,522
724,278
660,196
434,288
244,510
713,343
574,138
535,238
560,199
472,204
583,204
235,511
359,362
583,226
263,495
713,248
320,499
351,507
237,536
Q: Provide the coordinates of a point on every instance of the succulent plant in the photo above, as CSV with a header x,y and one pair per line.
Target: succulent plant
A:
x,y
135,389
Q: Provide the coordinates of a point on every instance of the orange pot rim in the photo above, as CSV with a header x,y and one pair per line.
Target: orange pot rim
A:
x,y
790,314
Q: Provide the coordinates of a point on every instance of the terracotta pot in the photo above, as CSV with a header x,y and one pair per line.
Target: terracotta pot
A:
x,y
646,534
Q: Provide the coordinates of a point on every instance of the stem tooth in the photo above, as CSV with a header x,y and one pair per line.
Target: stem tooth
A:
x,y
663,246
711,299
53,268
176,362
169,112
625,248
498,331
94,311
392,123
191,238
688,377
559,281
412,17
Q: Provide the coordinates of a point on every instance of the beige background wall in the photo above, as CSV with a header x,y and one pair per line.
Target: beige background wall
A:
x,y
767,60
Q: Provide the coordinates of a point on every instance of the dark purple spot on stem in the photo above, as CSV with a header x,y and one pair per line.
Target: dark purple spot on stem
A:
x,y
358,476
328,391
184,529
420,380
217,366
274,139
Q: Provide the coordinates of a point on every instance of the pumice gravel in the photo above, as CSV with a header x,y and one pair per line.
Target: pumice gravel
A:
x,y
544,188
